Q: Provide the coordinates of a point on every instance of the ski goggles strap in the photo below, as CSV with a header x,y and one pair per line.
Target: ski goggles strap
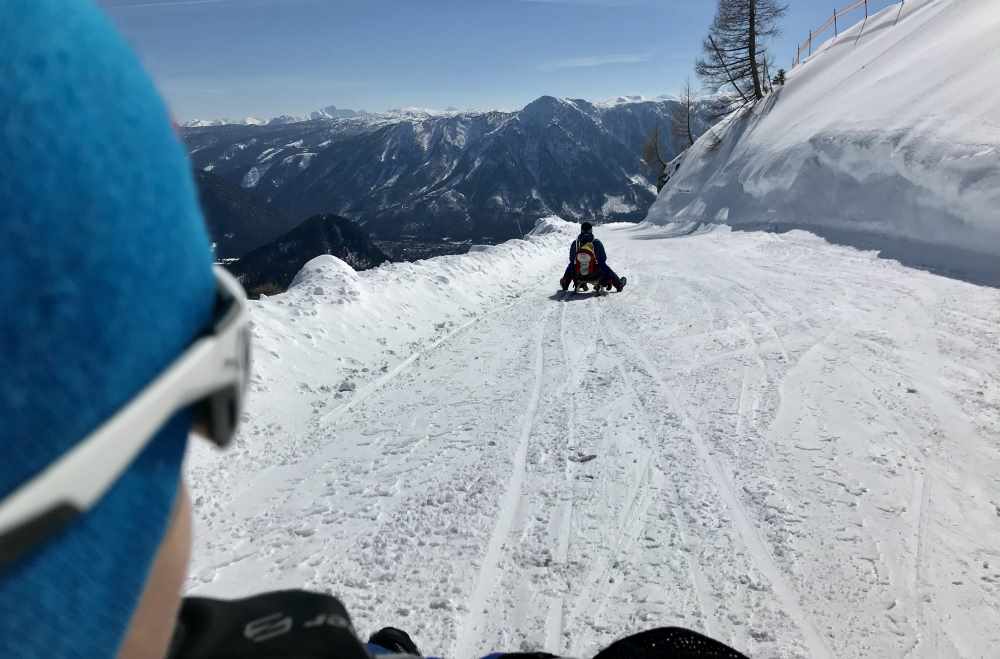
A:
x,y
210,377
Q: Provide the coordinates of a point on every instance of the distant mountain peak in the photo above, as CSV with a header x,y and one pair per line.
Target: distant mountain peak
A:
x,y
328,112
628,100
333,112
420,112
202,123
205,123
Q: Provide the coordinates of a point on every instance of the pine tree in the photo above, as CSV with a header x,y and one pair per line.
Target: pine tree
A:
x,y
735,54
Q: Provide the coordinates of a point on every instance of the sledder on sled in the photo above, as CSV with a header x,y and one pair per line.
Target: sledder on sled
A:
x,y
588,267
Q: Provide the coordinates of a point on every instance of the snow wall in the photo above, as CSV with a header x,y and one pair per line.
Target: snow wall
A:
x,y
887,138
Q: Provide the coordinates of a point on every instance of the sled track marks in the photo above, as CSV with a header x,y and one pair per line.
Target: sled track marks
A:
x,y
366,392
554,621
757,304
699,583
788,597
927,628
489,571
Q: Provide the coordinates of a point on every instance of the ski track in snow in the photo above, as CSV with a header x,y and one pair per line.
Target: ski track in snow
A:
x,y
472,626
741,520
794,450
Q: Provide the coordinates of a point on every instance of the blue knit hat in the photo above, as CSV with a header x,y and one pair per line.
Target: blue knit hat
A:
x,y
105,278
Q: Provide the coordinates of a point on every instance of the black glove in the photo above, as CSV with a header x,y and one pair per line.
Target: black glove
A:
x,y
278,625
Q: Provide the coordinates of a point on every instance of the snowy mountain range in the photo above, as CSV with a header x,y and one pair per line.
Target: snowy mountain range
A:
x,y
464,175
328,112
333,112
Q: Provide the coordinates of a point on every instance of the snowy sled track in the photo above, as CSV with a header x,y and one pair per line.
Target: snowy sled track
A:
x,y
740,518
471,629
788,445
654,426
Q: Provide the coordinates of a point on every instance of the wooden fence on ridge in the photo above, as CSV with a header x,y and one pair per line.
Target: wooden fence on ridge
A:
x,y
834,23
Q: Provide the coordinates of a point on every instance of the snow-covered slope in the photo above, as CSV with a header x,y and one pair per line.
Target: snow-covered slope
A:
x,y
788,445
887,137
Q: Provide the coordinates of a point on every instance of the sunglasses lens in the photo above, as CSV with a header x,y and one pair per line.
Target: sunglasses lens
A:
x,y
217,416
226,414
247,352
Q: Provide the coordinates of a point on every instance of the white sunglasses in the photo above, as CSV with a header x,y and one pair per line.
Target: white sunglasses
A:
x,y
211,377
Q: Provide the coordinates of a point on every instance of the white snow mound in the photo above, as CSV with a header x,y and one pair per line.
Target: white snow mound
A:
x,y
552,224
328,277
887,137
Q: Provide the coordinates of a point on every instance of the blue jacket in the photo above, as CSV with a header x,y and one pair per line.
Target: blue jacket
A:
x,y
583,239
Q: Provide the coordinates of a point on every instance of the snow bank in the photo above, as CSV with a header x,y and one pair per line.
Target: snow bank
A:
x,y
361,325
366,322
888,137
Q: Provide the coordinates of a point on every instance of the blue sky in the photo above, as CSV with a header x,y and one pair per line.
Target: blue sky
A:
x,y
234,58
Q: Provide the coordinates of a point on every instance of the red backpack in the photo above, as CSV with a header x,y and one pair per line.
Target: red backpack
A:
x,y
585,263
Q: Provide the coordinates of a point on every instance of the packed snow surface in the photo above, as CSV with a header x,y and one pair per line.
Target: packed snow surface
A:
x,y
888,136
788,445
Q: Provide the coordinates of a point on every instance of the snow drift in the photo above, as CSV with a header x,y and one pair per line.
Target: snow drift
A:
x,y
888,137
341,332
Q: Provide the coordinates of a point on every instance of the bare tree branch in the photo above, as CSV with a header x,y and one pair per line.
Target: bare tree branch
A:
x,y
725,67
